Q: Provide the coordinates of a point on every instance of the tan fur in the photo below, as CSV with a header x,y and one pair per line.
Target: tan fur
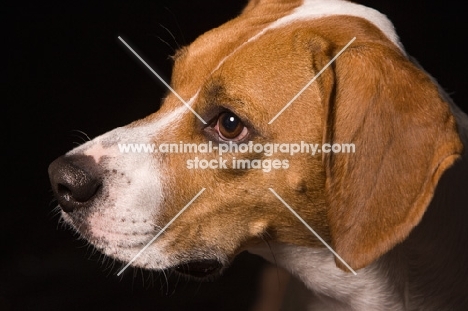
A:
x,y
363,203
394,173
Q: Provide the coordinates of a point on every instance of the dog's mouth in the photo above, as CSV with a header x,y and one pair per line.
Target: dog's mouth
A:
x,y
199,269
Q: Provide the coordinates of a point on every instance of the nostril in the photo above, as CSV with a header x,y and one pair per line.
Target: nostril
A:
x,y
64,192
75,181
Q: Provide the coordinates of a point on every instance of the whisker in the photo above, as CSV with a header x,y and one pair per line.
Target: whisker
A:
x,y
184,41
165,42
172,36
275,263
83,134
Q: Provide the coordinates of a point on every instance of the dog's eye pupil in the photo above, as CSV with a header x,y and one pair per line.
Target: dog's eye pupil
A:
x,y
230,123
230,126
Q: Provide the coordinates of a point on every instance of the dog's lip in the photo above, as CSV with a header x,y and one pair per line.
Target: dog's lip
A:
x,y
199,269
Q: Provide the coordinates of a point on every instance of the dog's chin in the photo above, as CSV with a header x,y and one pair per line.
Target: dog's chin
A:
x,y
201,270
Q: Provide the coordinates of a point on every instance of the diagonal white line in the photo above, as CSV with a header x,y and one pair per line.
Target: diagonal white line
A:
x,y
312,230
162,80
160,232
311,81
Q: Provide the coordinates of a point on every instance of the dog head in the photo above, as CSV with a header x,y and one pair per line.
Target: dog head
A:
x,y
237,78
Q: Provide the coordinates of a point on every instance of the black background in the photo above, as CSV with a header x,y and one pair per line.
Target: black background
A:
x,y
67,71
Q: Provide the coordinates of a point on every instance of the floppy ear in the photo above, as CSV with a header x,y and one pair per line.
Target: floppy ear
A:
x,y
405,137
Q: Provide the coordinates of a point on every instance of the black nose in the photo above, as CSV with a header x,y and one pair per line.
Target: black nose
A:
x,y
75,181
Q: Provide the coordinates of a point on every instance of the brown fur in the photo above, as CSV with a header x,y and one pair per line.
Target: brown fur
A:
x,y
374,97
374,207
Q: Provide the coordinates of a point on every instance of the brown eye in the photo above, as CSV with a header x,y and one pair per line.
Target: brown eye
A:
x,y
230,127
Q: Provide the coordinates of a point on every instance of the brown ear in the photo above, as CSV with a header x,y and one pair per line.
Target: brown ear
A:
x,y
405,137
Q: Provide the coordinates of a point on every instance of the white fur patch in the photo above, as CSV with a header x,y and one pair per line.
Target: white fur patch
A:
x,y
316,268
121,221
313,9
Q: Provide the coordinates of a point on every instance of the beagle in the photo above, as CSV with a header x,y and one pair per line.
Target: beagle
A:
x,y
394,211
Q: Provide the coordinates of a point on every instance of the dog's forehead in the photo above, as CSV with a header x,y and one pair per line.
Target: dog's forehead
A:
x,y
207,54
258,71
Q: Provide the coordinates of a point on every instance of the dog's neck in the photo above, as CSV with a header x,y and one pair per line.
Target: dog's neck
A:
x,y
414,268
316,268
